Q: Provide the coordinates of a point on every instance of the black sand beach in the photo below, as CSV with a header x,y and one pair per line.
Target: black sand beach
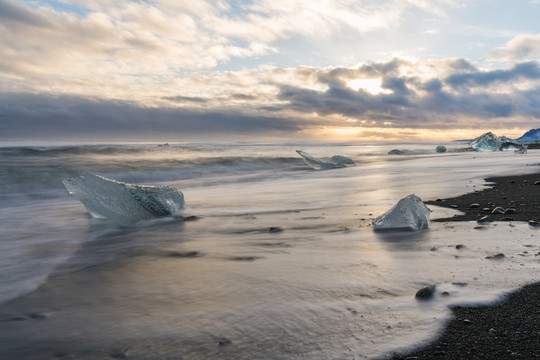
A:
x,y
509,329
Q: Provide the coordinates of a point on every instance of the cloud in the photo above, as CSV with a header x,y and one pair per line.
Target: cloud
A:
x,y
25,116
521,47
519,72
458,95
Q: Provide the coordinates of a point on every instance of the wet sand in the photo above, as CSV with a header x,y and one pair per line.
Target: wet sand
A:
x,y
509,329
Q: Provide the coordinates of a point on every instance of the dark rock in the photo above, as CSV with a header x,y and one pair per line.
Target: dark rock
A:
x,y
224,342
459,246
445,293
472,206
460,284
275,229
36,316
537,183
190,218
511,211
534,223
495,256
484,220
467,321
184,254
499,210
425,292
440,149
245,258
396,152
14,318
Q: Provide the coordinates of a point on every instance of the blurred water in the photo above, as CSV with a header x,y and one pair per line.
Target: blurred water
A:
x,y
326,286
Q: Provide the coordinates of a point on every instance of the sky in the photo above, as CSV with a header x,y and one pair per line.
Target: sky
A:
x,y
268,70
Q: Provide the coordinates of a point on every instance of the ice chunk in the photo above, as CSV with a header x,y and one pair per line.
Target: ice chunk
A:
x,y
121,202
410,213
319,164
485,142
340,159
490,142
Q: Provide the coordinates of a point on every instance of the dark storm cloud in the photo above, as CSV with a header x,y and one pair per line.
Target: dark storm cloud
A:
x,y
528,70
414,102
32,116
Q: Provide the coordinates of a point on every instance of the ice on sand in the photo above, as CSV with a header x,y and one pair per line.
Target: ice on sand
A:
x,y
336,161
410,213
121,202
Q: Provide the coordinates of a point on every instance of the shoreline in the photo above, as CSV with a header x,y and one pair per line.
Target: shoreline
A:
x,y
509,328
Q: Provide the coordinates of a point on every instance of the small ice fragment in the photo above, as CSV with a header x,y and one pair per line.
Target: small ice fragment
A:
x,y
319,164
121,202
340,159
410,213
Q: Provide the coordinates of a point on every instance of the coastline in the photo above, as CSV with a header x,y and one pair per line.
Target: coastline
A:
x,y
510,328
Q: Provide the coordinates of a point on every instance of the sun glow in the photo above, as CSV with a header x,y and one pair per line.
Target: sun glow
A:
x,y
372,86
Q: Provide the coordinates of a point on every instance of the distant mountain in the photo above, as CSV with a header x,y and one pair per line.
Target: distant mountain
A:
x,y
531,135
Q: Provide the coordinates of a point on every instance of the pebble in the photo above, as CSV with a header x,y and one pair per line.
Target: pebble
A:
x,y
224,341
511,211
484,220
425,292
499,210
459,246
534,223
275,229
475,205
495,256
453,206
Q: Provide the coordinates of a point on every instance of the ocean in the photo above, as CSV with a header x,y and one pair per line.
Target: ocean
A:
x,y
277,260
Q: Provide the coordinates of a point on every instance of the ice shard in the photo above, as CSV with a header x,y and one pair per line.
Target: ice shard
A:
x,y
121,202
490,142
410,214
336,161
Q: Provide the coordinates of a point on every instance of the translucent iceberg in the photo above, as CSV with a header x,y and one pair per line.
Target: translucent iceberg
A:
x,y
485,142
490,142
121,202
336,161
410,214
